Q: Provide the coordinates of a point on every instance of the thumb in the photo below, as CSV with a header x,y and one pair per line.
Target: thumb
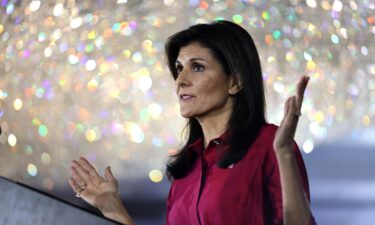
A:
x,y
108,174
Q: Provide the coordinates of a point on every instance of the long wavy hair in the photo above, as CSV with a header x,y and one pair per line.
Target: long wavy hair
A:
x,y
233,47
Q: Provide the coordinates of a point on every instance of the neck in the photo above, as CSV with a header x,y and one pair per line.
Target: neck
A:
x,y
214,126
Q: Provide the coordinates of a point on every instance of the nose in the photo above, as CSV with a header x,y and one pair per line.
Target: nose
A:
x,y
182,79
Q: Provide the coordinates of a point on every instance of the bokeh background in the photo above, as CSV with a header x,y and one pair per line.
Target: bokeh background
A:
x,y
88,78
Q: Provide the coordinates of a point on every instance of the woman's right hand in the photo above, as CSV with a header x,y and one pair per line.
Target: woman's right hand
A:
x,y
100,192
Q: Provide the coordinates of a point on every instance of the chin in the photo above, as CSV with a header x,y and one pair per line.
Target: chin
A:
x,y
187,115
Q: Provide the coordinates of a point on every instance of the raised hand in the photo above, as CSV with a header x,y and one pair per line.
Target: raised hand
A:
x,y
284,139
296,209
100,192
88,185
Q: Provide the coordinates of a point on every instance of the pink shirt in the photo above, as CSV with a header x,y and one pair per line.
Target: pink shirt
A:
x,y
246,193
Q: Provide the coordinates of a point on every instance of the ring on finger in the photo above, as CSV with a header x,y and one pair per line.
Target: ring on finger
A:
x,y
78,194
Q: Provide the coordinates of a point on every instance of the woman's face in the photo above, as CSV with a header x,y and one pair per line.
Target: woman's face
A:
x,y
202,86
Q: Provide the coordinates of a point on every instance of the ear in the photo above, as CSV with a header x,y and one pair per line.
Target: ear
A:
x,y
235,85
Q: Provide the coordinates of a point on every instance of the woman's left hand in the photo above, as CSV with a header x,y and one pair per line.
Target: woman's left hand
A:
x,y
284,139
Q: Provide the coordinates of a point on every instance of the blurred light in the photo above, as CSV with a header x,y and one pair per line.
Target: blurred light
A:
x,y
154,110
144,83
43,131
17,104
10,9
335,39
326,5
344,32
237,18
90,65
36,122
278,87
311,65
157,142
58,9
12,140
366,120
75,22
104,67
156,176
266,15
290,56
337,6
45,158
353,5
73,59
364,50
193,3
92,85
134,132
90,135
308,146
311,3
268,39
32,170
168,2
319,116
137,57
57,34
117,128
371,68
307,56
34,5
276,34
28,150
91,35
48,52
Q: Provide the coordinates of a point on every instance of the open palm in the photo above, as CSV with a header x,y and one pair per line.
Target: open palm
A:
x,y
94,189
284,139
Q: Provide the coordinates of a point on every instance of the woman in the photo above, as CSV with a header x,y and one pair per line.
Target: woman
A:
x,y
227,172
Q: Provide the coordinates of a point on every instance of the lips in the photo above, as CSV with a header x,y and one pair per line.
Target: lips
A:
x,y
185,96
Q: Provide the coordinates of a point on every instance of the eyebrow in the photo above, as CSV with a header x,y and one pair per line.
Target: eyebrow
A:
x,y
192,60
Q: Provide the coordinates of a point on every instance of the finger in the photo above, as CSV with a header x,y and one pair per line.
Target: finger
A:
x,y
293,106
80,170
287,107
285,122
108,175
76,188
88,167
77,177
293,116
301,87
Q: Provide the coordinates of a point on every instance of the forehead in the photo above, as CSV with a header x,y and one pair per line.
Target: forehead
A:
x,y
194,50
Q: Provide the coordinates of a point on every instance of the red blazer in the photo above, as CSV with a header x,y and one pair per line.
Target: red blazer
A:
x,y
246,193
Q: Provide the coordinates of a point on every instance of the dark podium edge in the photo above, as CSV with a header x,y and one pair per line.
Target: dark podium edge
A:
x,y
57,198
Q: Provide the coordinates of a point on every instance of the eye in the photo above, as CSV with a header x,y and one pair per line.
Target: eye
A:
x,y
178,68
198,67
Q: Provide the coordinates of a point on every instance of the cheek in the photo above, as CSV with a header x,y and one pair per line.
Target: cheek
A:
x,y
217,89
213,95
